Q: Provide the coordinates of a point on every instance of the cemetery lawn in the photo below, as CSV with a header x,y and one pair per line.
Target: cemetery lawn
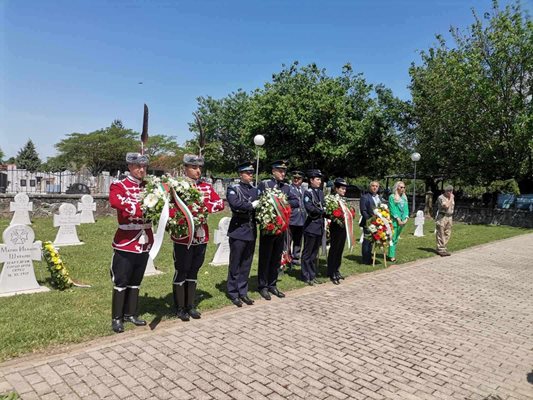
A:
x,y
46,321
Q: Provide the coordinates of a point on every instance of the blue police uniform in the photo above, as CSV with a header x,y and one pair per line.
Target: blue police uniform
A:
x,y
298,217
337,238
242,234
270,246
313,228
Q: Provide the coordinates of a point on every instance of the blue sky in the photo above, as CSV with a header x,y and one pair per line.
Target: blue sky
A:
x,y
74,66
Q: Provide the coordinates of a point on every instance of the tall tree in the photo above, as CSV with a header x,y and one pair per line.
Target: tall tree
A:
x,y
1,156
472,103
28,158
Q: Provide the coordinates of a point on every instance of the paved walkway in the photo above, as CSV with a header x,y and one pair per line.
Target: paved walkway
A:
x,y
459,327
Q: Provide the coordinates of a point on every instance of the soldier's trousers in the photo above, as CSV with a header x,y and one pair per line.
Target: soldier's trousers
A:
x,y
270,250
366,248
297,234
127,269
187,262
241,254
337,239
311,246
444,231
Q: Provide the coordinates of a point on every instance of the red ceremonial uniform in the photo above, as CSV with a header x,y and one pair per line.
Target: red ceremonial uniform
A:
x,y
214,203
134,233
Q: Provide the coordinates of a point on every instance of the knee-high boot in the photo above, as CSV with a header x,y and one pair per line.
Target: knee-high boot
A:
x,y
117,307
191,294
130,307
179,300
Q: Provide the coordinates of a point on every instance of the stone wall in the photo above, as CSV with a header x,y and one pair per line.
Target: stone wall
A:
x,y
494,216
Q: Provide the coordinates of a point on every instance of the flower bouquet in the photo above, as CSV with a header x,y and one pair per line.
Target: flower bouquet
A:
x,y
59,274
334,209
380,226
273,212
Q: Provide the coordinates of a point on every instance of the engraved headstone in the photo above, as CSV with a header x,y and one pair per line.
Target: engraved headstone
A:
x,y
67,219
87,206
419,223
17,253
21,206
219,187
221,239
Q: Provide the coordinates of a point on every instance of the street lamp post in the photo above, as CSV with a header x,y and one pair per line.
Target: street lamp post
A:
x,y
415,157
259,140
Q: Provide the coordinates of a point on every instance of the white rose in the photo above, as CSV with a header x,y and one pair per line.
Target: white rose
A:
x,y
185,185
150,200
372,228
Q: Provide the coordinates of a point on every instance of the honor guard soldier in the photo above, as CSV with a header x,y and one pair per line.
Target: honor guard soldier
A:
x,y
314,225
132,242
337,237
187,261
242,199
298,215
271,246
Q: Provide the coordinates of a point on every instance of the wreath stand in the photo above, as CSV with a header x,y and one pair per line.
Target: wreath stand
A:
x,y
384,248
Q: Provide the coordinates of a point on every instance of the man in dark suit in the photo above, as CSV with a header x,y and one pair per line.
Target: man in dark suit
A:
x,y
315,206
271,246
369,201
298,215
242,199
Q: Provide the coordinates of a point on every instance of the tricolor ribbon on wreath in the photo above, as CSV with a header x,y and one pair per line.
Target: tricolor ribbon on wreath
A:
x,y
348,224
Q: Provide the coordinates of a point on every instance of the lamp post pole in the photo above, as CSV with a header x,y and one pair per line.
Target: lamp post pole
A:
x,y
259,140
415,157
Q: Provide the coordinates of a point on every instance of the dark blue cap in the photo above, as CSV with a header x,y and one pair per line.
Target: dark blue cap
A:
x,y
281,164
314,173
245,166
340,182
297,174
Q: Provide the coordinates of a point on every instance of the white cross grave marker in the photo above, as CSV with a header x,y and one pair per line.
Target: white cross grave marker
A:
x,y
67,219
419,223
87,206
221,238
21,206
17,253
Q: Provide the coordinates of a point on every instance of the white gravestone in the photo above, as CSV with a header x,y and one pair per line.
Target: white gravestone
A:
x,y
17,253
21,206
150,268
87,206
67,219
419,223
219,187
221,239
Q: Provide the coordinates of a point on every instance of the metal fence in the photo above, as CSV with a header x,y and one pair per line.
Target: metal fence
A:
x,y
18,180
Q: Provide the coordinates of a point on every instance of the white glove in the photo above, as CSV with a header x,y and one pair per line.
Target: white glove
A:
x,y
255,203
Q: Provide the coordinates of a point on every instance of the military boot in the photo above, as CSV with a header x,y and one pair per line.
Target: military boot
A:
x,y
117,307
191,294
130,307
179,300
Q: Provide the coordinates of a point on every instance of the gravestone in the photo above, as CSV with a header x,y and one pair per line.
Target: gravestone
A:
x,y
219,188
150,268
67,219
21,206
87,206
17,253
221,239
419,223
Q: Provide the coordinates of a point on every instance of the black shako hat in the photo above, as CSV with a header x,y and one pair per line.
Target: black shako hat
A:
x,y
340,182
314,173
280,164
245,166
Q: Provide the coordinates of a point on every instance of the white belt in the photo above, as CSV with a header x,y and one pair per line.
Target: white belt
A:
x,y
134,227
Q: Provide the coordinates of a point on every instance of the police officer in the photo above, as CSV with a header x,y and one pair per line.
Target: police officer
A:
x,y
132,242
242,199
337,237
298,215
271,246
187,261
314,225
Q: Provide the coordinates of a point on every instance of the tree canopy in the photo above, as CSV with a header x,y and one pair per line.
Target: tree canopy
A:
x,y
28,158
472,106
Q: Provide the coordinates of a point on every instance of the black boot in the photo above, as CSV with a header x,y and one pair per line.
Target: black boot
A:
x,y
117,305
130,307
179,301
191,293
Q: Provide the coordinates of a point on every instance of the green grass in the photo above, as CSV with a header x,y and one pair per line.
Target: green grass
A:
x,y
32,323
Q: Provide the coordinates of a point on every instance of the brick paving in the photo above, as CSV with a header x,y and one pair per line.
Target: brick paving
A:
x,y
459,327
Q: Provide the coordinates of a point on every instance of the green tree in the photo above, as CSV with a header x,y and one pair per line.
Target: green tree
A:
x,y
28,158
1,156
101,150
56,164
472,105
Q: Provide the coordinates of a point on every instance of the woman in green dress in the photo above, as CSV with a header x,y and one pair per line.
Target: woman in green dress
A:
x,y
399,210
